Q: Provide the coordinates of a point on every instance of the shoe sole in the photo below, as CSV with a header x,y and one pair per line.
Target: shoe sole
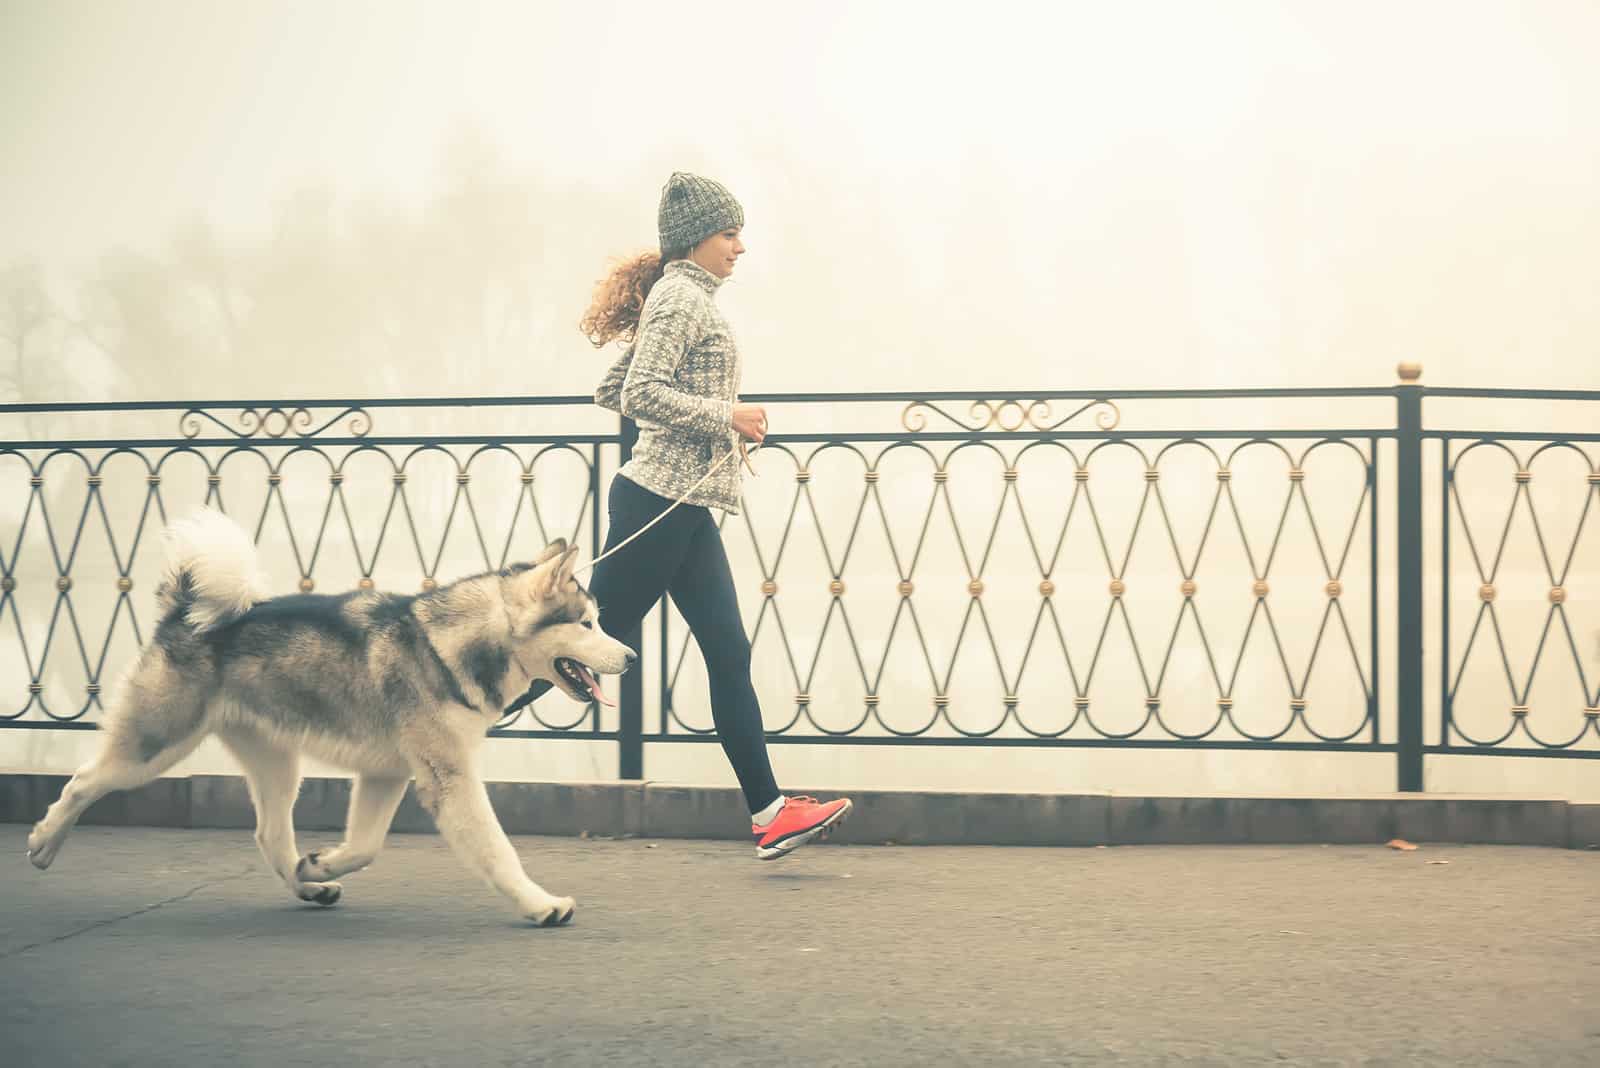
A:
x,y
821,830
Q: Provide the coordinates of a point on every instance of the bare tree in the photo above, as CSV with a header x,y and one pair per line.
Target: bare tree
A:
x,y
131,314
459,294
27,316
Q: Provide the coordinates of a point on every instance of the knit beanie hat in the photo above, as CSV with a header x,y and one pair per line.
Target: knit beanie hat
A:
x,y
692,209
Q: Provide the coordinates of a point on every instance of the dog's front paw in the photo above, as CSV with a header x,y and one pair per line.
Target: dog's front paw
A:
x,y
311,869
41,850
554,913
321,893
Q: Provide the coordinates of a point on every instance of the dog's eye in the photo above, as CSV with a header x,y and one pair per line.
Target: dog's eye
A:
x,y
588,624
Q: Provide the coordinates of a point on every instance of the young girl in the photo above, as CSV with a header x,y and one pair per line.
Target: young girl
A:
x,y
679,380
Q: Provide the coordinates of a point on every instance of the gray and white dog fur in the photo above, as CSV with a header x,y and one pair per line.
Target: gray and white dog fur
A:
x,y
393,688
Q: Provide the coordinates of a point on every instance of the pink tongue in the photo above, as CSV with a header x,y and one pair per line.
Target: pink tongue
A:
x,y
594,687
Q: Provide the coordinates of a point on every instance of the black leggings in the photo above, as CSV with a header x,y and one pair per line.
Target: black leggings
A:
x,y
683,555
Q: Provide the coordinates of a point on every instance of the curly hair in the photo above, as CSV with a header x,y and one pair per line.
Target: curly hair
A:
x,y
618,299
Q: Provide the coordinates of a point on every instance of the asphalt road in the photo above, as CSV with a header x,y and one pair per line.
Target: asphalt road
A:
x,y
174,947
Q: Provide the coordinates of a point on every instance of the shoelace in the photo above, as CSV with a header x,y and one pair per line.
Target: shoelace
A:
x,y
802,798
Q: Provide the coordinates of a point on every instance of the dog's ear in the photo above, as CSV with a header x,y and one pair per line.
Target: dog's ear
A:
x,y
551,551
569,564
553,573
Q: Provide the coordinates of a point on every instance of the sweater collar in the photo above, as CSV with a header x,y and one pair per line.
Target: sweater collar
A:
x,y
696,274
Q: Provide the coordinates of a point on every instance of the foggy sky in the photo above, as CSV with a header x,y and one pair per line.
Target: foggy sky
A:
x,y
1008,194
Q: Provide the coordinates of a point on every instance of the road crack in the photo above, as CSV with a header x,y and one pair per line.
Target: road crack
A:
x,y
96,925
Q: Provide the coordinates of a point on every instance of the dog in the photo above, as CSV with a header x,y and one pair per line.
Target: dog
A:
x,y
393,688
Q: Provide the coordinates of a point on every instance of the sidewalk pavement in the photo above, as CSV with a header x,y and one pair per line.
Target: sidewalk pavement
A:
x,y
175,947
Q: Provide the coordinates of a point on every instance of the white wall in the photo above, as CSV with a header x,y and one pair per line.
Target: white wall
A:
x,y
1130,196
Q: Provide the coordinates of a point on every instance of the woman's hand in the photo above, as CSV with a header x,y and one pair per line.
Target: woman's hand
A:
x,y
750,420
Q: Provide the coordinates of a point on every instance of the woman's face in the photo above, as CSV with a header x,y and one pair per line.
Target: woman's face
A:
x,y
719,252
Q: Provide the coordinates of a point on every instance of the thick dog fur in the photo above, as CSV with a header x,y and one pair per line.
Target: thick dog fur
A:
x,y
393,688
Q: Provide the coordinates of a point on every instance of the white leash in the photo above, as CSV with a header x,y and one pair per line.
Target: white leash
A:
x,y
742,452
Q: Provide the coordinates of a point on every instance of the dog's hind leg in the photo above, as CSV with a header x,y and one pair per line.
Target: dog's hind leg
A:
x,y
272,771
138,743
372,807
456,799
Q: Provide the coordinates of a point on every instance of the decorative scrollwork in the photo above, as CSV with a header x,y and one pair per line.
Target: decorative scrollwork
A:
x,y
1009,415
275,423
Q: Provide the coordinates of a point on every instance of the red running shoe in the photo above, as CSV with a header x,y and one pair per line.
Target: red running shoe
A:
x,y
799,821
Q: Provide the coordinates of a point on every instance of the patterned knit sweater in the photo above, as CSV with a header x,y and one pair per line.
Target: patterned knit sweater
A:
x,y
679,381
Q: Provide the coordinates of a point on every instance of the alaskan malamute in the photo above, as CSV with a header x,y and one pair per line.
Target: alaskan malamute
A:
x,y
391,687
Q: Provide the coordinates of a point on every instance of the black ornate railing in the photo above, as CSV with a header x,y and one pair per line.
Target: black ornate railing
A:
x,y
1051,569
1558,592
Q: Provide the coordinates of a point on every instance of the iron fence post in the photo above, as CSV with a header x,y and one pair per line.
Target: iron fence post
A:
x,y
1408,562
630,700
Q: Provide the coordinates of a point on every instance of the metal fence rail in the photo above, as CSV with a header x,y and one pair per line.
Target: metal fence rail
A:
x,y
950,569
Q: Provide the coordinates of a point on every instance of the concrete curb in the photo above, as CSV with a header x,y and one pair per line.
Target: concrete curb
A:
x,y
1583,824
920,817
906,817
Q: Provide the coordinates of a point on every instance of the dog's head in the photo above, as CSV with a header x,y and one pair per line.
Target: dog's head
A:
x,y
556,629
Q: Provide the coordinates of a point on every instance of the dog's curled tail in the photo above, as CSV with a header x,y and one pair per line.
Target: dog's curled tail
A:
x,y
213,574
